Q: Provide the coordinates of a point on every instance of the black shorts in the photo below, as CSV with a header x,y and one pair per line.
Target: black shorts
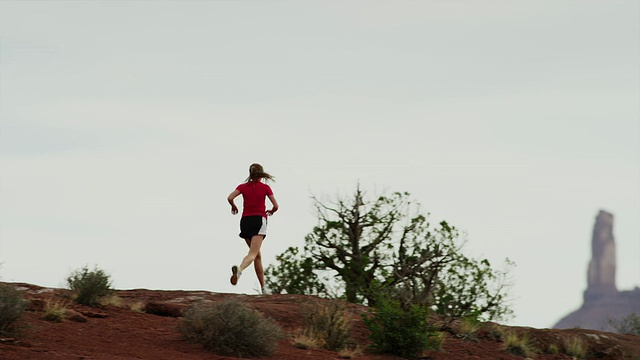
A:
x,y
253,225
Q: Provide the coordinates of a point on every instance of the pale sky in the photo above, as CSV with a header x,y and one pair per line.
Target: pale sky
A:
x,y
125,124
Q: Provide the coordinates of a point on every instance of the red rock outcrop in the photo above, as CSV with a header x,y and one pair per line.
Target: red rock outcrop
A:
x,y
124,332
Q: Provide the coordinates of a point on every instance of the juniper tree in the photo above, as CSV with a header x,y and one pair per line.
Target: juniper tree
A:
x,y
386,244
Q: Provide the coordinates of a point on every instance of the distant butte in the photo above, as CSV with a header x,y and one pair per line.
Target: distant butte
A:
x,y
602,300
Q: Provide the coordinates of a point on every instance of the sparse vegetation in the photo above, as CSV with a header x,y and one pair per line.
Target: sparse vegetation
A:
x,y
89,286
302,341
231,328
12,308
629,324
350,353
54,310
400,321
111,300
516,344
328,324
468,328
576,347
137,306
401,330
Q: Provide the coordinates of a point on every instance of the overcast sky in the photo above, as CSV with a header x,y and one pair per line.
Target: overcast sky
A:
x,y
125,124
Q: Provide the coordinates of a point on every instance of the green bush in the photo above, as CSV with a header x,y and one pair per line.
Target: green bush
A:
x,y
230,328
328,323
89,285
12,308
362,243
294,274
401,330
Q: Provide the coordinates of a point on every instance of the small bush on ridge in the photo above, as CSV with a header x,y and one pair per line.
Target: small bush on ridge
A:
x,y
402,331
328,324
12,308
302,341
54,310
230,328
553,349
89,285
516,344
468,328
576,347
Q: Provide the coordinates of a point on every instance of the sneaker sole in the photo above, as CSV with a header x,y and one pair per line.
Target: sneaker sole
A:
x,y
234,276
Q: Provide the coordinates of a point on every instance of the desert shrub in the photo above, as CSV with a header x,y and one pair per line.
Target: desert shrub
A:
x,y
230,328
516,344
328,324
576,347
468,328
89,285
54,310
12,308
401,330
629,324
495,332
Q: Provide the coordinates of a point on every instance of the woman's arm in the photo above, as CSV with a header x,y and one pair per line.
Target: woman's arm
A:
x,y
275,206
233,195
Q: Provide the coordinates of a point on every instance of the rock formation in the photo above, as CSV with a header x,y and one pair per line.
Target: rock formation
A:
x,y
602,300
601,275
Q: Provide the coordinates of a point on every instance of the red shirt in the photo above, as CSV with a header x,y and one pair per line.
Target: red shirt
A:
x,y
253,197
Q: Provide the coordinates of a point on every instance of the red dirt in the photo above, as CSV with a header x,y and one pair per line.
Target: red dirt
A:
x,y
119,333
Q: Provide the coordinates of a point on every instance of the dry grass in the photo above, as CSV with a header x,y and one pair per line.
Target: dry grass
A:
x,y
137,306
302,341
576,347
111,300
327,323
115,300
350,353
516,344
55,310
468,329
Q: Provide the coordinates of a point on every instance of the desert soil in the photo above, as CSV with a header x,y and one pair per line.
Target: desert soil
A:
x,y
144,326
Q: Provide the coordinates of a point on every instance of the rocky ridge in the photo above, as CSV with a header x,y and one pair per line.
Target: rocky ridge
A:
x,y
143,326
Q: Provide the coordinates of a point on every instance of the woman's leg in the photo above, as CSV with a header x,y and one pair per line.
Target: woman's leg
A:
x,y
254,255
257,265
236,271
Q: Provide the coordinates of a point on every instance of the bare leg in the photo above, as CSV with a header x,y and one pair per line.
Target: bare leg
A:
x,y
257,265
254,255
